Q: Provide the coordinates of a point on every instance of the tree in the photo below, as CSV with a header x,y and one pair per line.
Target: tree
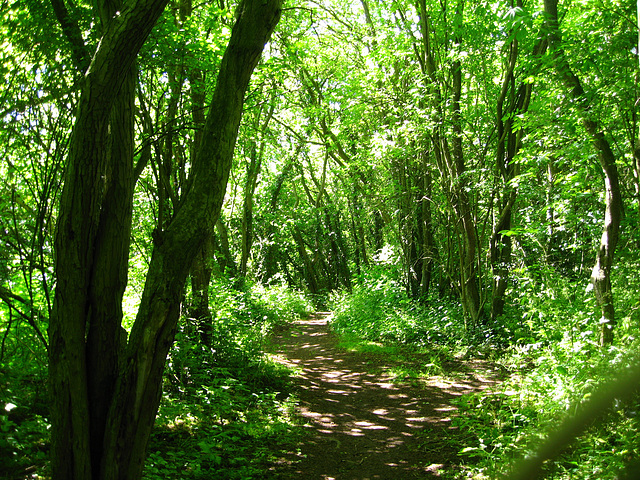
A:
x,y
601,274
511,104
105,388
444,84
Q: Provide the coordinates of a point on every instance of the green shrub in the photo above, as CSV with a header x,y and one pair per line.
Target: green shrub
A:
x,y
555,362
378,309
227,408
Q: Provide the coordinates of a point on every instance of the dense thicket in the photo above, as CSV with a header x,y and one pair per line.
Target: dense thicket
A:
x,y
456,173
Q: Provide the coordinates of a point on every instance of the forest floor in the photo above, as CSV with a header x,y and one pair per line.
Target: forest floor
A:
x,y
365,422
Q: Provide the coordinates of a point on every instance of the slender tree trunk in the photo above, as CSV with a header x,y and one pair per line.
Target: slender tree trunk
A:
x,y
269,261
451,163
378,231
256,152
202,267
201,273
223,250
429,245
405,213
601,274
636,152
338,250
468,259
310,275
511,103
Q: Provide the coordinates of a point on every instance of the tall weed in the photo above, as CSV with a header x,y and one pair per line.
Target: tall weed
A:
x,y
378,309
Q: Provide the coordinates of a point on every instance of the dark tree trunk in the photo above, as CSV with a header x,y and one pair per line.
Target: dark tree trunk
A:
x,y
223,251
91,251
310,274
429,246
270,259
451,163
378,231
469,279
338,250
256,152
511,103
201,272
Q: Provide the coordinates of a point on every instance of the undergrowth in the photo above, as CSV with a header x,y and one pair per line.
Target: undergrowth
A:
x,y
226,410
547,343
378,309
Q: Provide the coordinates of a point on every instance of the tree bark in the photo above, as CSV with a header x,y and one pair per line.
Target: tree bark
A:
x,y
270,257
88,214
601,274
470,278
451,163
310,275
223,251
201,273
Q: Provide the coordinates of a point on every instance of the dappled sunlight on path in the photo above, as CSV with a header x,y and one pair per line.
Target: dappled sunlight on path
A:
x,y
363,425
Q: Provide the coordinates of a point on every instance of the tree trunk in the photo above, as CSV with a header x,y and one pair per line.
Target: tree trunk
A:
x,y
256,152
338,250
91,253
223,251
201,272
469,278
85,322
451,162
601,274
270,260
511,103
426,226
310,275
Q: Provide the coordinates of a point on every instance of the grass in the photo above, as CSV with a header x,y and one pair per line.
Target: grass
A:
x,y
228,412
547,345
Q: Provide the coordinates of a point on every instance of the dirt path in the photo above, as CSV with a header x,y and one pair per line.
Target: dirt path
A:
x,y
363,424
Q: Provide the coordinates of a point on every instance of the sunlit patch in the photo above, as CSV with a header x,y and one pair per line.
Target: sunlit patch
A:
x,y
370,426
434,467
447,408
338,392
395,442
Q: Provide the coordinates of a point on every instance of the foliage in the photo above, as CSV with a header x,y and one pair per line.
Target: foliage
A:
x,y
225,413
546,344
24,425
352,202
378,309
551,370
227,410
229,425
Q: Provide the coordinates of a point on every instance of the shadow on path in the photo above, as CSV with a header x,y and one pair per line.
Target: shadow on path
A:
x,y
362,424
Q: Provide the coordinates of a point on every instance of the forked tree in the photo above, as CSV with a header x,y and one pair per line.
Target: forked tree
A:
x,y
106,386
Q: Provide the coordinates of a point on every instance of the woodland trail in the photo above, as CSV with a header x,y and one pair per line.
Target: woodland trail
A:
x,y
364,424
